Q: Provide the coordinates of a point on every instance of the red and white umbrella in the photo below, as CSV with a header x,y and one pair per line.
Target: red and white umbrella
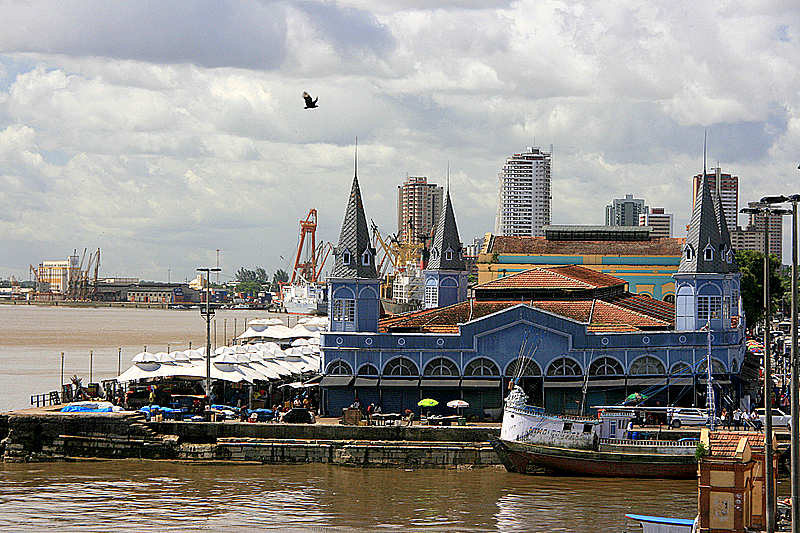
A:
x,y
457,404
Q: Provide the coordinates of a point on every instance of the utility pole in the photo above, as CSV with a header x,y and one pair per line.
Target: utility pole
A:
x,y
207,313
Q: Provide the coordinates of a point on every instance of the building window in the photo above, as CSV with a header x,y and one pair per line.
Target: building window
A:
x,y
339,368
481,367
647,366
441,367
448,255
689,252
431,297
365,257
345,258
709,253
368,370
709,307
400,366
605,366
716,367
680,369
564,367
344,310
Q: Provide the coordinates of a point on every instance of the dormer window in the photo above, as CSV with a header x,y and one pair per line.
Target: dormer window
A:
x,y
688,252
365,258
708,253
345,258
434,253
448,255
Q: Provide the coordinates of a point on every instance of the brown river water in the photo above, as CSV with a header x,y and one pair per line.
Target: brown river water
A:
x,y
168,496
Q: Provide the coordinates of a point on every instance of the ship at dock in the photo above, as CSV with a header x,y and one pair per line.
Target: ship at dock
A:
x,y
305,293
531,439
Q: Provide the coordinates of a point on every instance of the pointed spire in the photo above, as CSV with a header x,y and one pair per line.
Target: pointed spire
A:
x,y
355,257
446,252
708,245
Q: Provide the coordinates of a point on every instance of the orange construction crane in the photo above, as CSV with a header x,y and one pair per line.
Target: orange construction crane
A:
x,y
306,269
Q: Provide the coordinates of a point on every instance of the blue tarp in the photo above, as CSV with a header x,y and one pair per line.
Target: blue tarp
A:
x,y
85,408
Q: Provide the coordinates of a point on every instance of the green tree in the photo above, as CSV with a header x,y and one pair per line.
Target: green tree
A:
x,y
751,266
281,276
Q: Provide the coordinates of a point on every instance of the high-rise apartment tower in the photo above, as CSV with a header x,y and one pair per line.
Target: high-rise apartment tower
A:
x,y
524,202
419,206
625,211
658,220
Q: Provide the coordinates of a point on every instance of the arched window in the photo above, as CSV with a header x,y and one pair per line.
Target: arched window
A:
x,y
680,369
530,368
647,366
339,368
689,252
441,367
400,366
605,366
368,370
481,367
564,367
669,298
716,367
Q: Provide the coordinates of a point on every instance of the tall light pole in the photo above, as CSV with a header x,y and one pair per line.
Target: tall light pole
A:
x,y
766,210
207,313
794,385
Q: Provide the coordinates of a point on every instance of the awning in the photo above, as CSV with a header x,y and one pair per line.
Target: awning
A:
x,y
365,382
702,381
335,381
607,383
480,383
399,382
439,382
563,384
681,381
647,381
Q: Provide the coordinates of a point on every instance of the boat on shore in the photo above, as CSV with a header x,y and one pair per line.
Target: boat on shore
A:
x,y
309,298
531,439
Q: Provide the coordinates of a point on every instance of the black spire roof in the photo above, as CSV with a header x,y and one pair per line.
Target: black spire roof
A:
x,y
446,252
708,243
355,258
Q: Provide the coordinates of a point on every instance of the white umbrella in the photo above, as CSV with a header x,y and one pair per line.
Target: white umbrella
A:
x,y
457,404
139,357
140,370
300,342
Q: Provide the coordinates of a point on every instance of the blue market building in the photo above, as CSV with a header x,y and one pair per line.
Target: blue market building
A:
x,y
586,339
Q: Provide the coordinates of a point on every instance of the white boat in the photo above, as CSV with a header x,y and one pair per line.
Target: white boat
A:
x,y
305,298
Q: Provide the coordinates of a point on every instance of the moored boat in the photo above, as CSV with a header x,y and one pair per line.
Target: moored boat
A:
x,y
531,439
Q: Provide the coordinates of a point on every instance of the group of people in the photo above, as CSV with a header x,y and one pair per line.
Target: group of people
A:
x,y
740,417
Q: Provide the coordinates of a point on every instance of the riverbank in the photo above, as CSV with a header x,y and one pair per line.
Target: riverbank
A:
x,y
85,305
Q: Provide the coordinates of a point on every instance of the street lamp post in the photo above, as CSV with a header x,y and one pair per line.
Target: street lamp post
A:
x,y
794,384
207,313
766,210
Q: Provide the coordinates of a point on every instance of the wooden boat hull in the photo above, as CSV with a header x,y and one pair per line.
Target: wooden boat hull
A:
x,y
521,458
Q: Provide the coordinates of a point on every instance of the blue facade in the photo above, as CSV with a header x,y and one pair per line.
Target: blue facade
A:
x,y
616,363
448,286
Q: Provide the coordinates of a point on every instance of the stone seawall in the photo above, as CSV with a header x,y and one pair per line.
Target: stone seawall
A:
x,y
68,436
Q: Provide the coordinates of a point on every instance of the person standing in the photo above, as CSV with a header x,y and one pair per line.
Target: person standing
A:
x,y
737,418
746,420
724,417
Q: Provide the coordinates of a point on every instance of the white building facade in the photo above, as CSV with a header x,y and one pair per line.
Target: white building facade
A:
x,y
525,199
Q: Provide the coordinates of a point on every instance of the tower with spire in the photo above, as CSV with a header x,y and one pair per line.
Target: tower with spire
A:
x,y
707,284
354,285
446,273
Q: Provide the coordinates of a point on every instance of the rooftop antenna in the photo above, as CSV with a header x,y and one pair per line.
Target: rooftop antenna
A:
x,y
448,177
355,164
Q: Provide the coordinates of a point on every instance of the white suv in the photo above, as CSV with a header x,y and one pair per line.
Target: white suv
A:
x,y
779,418
687,416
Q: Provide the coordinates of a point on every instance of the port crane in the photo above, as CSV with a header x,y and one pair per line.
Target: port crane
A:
x,y
310,258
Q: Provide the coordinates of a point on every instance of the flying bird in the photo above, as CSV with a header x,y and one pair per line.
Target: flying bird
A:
x,y
310,104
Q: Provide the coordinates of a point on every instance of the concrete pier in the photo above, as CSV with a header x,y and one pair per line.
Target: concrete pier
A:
x,y
54,436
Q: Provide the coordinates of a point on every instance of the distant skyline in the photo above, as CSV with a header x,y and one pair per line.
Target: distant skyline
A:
x,y
161,133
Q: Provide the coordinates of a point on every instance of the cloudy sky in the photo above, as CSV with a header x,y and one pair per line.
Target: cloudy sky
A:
x,y
161,132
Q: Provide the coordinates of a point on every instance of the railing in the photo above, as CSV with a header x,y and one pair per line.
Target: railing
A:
x,y
48,398
649,442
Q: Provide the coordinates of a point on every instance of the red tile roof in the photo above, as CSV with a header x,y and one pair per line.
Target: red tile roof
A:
x,y
541,246
563,277
604,316
723,444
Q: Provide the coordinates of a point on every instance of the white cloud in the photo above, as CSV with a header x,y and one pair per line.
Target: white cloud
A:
x,y
162,135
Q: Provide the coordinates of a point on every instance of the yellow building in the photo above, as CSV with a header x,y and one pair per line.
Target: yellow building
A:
x,y
628,252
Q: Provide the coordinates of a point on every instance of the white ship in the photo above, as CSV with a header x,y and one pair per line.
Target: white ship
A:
x,y
305,298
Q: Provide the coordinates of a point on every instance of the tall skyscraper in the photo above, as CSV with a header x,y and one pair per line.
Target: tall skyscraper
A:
x,y
775,230
419,206
727,187
524,201
625,211
658,220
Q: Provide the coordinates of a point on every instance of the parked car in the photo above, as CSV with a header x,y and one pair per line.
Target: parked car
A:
x,y
687,416
779,418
